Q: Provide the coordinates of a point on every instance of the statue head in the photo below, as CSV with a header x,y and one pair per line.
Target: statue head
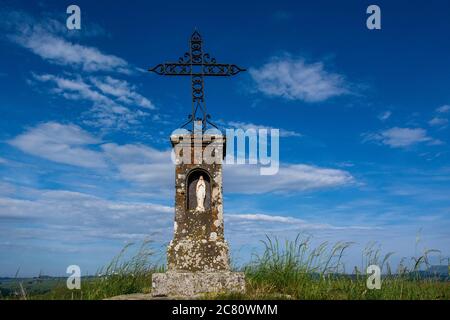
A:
x,y
201,178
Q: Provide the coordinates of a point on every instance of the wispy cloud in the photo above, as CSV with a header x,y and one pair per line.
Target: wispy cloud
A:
x,y
122,90
443,109
440,119
401,137
57,222
290,178
60,143
111,99
70,144
438,122
45,39
295,79
142,165
287,220
74,88
384,115
247,125
49,204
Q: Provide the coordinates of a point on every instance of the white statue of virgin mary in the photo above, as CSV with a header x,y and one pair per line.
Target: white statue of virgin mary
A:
x,y
200,191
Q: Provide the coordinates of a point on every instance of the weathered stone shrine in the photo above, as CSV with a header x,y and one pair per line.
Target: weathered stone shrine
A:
x,y
198,255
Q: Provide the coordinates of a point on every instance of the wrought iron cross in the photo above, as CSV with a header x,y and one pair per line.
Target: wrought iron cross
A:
x,y
198,65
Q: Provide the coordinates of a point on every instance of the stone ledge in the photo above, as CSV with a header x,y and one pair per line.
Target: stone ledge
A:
x,y
193,283
149,296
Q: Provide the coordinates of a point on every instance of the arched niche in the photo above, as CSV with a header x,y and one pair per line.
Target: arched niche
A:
x,y
192,179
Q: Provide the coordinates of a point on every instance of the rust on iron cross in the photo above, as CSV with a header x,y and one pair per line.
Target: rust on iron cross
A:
x,y
197,65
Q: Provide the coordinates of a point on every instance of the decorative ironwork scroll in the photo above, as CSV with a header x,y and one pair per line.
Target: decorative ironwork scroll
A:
x,y
197,65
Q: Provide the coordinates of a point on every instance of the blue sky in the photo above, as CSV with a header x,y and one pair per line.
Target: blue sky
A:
x,y
84,149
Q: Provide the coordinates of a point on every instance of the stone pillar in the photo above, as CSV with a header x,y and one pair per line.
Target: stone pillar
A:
x,y
198,256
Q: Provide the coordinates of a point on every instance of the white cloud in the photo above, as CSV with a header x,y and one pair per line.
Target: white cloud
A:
x,y
148,169
152,168
135,153
60,51
142,165
294,79
80,204
6,188
107,95
146,166
401,137
66,144
443,109
44,39
246,126
122,90
75,89
287,220
72,218
70,144
262,217
385,115
438,122
290,178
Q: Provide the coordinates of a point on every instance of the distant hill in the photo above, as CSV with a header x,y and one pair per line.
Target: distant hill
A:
x,y
442,270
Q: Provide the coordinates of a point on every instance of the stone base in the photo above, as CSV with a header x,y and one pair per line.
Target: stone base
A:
x,y
197,255
193,283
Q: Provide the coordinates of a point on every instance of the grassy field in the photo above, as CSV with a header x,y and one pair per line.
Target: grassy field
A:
x,y
285,270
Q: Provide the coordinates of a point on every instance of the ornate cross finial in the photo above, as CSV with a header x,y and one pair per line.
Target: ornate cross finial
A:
x,y
198,65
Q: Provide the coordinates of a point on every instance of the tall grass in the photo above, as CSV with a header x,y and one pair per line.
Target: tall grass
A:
x,y
293,269
288,269
127,273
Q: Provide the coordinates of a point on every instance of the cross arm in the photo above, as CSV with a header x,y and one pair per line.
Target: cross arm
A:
x,y
197,69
